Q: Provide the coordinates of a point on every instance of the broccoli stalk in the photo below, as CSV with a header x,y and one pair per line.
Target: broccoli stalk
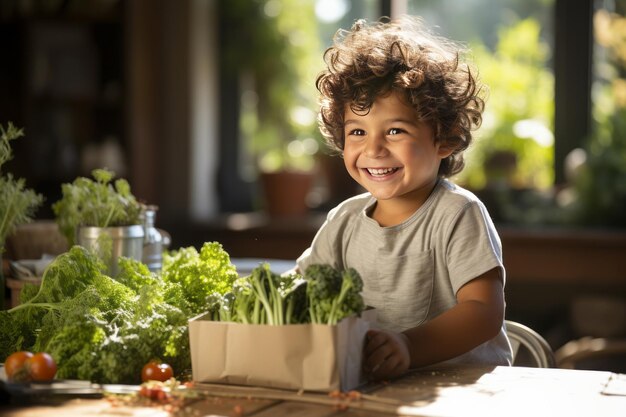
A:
x,y
227,310
324,282
349,300
214,304
265,289
244,302
296,310
332,294
264,297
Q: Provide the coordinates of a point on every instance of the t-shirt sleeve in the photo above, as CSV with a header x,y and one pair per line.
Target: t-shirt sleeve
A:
x,y
324,247
473,246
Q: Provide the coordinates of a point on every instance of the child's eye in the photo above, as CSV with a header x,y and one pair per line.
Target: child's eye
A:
x,y
395,131
356,132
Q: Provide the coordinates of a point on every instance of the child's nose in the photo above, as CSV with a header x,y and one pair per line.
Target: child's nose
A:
x,y
375,147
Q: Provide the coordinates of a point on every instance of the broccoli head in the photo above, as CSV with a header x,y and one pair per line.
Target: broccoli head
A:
x,y
333,294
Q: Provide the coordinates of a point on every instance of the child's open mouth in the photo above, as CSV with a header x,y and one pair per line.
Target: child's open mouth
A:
x,y
381,172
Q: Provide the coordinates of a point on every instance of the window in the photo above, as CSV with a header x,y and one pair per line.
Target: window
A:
x,y
511,43
598,169
536,57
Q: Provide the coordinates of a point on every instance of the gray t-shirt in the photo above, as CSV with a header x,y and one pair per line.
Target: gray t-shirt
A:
x,y
413,270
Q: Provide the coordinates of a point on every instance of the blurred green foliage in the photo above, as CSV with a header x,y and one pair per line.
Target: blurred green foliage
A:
x,y
595,195
277,54
274,49
599,186
518,118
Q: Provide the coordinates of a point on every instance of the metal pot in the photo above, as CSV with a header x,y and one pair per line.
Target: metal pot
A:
x,y
109,243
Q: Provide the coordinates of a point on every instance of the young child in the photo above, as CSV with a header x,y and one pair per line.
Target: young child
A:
x,y
400,106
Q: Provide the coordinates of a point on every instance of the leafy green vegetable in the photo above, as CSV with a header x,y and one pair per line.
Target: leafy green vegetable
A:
x,y
296,302
324,281
104,329
7,135
245,307
323,295
199,274
333,295
98,203
17,203
265,287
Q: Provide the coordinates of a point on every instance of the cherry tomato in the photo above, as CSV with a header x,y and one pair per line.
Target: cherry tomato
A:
x,y
154,371
154,393
41,367
14,365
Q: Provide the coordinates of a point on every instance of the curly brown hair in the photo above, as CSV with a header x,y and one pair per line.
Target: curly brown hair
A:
x,y
372,60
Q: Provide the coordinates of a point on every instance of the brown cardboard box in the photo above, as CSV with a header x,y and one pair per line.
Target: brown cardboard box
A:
x,y
312,357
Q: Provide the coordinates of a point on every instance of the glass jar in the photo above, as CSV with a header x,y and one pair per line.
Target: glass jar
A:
x,y
154,241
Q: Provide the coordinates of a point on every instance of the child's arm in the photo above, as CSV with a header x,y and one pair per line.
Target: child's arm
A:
x,y
475,319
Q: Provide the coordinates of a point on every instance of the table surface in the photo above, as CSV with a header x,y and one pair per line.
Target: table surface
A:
x,y
466,391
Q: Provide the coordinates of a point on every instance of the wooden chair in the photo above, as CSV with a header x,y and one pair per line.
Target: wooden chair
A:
x,y
529,347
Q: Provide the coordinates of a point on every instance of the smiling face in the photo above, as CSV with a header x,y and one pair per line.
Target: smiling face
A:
x,y
392,155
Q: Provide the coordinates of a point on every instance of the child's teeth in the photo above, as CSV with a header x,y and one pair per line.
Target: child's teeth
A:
x,y
380,171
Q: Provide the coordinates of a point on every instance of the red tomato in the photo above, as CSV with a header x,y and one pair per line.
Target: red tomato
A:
x,y
14,365
155,393
41,367
154,371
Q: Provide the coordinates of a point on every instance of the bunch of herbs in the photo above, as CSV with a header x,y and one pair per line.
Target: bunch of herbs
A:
x,y
17,203
98,202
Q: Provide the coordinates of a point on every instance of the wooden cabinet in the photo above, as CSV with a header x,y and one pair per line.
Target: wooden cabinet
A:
x,y
62,80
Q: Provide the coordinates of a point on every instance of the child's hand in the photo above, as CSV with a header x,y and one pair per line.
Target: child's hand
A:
x,y
386,354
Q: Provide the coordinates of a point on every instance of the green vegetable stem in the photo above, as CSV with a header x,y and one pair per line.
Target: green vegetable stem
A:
x,y
323,295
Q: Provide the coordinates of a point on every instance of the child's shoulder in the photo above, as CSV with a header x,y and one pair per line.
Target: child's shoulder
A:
x,y
456,197
351,206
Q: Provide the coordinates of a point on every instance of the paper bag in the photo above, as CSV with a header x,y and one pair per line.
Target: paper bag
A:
x,y
312,357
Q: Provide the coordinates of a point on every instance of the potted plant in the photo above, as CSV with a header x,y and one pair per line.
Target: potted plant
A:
x,y
17,203
103,216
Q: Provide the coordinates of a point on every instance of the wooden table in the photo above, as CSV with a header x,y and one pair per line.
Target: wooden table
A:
x,y
470,391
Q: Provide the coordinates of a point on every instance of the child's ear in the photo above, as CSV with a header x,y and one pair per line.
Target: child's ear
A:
x,y
444,151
